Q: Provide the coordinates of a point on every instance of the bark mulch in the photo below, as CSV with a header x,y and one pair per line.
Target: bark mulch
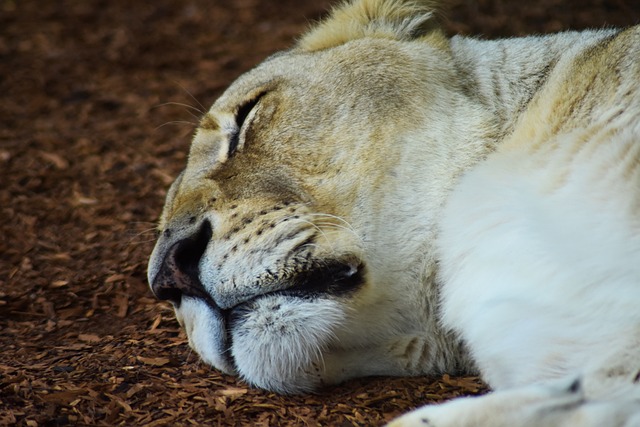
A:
x,y
97,104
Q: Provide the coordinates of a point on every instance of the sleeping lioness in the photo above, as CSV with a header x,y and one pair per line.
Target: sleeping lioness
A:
x,y
384,200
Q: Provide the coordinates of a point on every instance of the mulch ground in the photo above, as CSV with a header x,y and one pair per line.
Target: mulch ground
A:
x,y
97,104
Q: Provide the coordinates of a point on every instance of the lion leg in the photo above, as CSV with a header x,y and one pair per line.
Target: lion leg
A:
x,y
562,404
616,373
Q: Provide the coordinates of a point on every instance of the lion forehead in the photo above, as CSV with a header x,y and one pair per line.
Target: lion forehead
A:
x,y
373,75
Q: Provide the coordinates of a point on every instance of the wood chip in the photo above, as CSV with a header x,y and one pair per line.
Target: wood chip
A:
x,y
89,338
154,361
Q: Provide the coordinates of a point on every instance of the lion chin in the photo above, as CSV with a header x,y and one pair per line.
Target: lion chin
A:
x,y
278,341
382,199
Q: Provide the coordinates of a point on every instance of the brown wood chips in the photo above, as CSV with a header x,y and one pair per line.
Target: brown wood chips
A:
x,y
97,104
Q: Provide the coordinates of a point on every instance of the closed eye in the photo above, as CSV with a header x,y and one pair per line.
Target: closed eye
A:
x,y
241,116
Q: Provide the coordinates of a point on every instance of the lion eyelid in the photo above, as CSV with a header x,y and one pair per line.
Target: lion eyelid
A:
x,y
241,116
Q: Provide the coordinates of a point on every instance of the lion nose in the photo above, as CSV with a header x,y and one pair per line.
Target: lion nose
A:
x,y
179,272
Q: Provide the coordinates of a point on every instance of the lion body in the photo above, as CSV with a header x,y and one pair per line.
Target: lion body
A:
x,y
383,200
546,228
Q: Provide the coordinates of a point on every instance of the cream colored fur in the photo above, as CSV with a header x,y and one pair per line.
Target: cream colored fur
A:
x,y
485,194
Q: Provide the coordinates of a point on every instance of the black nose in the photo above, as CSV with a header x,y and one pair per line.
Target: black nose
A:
x,y
179,273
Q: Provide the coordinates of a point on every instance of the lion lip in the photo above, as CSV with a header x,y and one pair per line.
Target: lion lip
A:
x,y
207,330
326,278
330,278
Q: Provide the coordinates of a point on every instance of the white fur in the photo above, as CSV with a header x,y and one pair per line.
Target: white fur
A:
x,y
519,259
290,335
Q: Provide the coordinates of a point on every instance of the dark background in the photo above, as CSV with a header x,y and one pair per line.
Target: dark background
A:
x,y
98,100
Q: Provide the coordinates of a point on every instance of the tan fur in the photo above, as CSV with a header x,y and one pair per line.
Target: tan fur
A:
x,y
372,18
357,138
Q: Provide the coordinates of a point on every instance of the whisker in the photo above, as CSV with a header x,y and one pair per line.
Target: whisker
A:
x,y
292,217
319,231
178,122
135,235
334,217
347,226
140,242
141,222
313,245
191,95
146,230
189,108
338,226
181,104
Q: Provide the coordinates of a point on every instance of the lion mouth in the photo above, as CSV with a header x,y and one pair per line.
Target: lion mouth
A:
x,y
179,279
326,278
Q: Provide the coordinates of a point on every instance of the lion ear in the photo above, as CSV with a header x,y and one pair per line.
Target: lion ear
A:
x,y
393,19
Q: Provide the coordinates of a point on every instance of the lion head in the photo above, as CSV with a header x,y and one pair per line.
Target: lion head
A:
x,y
297,244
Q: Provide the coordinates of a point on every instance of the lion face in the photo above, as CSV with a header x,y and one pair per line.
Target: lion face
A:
x,y
273,249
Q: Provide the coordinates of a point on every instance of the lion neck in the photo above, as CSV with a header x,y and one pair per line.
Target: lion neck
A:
x,y
496,80
504,75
